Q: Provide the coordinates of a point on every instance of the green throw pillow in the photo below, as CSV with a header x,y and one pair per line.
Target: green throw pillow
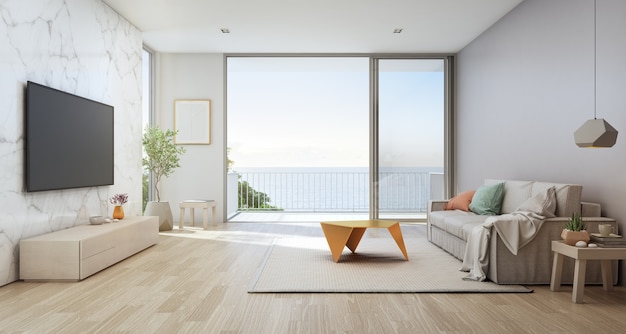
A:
x,y
488,200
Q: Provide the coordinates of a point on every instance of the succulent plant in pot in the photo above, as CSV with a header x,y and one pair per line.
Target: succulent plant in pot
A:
x,y
575,230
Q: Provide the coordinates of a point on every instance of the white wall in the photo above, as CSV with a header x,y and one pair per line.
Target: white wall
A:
x,y
85,48
525,86
202,171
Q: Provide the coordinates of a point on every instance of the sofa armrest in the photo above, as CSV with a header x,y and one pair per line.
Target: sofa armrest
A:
x,y
588,209
437,205
433,205
591,222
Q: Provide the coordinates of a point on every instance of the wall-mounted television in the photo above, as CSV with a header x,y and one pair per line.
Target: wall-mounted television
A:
x,y
68,140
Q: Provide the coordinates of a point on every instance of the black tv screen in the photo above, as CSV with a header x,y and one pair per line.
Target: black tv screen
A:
x,y
68,142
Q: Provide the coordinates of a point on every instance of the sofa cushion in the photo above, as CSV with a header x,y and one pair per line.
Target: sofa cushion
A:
x,y
488,199
460,201
515,193
462,226
543,204
458,223
438,218
567,197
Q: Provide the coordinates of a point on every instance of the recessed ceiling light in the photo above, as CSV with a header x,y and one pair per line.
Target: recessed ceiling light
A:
x,y
397,30
225,30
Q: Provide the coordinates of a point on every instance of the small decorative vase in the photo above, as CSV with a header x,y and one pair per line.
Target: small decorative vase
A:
x,y
571,237
118,212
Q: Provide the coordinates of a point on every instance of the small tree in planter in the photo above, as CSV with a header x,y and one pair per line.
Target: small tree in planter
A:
x,y
161,159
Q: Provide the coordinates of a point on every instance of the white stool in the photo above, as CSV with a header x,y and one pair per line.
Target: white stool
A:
x,y
197,204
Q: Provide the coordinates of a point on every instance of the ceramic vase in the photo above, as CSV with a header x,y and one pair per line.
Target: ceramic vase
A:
x,y
572,237
163,211
118,212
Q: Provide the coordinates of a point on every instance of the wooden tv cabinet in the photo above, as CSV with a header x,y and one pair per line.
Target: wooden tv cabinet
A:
x,y
80,251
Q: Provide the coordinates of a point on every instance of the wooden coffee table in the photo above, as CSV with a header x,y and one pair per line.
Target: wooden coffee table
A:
x,y
581,255
340,234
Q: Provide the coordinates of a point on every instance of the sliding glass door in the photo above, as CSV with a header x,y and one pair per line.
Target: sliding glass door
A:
x,y
409,148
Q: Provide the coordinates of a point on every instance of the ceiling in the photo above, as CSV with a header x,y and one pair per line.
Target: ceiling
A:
x,y
311,26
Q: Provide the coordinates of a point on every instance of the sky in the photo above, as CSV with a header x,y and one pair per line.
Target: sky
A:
x,y
314,112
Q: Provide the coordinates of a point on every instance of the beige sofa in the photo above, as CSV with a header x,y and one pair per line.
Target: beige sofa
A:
x,y
449,230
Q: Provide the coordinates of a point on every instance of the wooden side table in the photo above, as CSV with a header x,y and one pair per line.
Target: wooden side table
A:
x,y
192,204
581,255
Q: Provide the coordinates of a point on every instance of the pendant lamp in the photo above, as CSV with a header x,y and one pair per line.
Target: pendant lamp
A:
x,y
595,132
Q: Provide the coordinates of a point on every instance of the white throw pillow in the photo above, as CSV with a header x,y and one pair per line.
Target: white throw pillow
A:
x,y
543,204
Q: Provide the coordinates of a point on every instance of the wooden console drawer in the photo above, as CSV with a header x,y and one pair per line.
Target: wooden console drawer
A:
x,y
97,262
97,244
78,252
53,259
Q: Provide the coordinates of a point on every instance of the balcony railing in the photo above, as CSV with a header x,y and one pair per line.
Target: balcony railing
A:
x,y
333,191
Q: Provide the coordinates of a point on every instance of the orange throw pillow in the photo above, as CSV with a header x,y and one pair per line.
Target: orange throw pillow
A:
x,y
460,201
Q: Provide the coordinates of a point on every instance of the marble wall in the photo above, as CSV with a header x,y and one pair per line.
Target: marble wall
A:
x,y
85,48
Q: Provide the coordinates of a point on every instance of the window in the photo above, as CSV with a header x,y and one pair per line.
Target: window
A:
x,y
146,107
353,134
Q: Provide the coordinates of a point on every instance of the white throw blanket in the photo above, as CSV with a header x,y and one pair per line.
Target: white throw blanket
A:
x,y
515,229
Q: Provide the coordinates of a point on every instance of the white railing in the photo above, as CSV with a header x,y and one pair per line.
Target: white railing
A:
x,y
333,191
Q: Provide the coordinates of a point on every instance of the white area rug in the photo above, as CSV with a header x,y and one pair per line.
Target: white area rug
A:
x,y
306,265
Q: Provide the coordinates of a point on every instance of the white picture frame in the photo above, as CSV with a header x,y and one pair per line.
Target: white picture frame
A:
x,y
192,122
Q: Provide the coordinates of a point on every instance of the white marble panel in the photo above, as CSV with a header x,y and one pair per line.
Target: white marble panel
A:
x,y
81,47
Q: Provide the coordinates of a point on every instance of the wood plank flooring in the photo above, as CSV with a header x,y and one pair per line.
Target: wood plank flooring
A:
x,y
196,281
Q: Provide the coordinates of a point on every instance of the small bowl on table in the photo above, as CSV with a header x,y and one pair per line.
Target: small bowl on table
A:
x,y
96,220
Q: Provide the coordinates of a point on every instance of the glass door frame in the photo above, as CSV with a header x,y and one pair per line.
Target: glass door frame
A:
x,y
448,166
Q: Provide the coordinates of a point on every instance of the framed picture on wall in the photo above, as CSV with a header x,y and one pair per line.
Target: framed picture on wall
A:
x,y
192,121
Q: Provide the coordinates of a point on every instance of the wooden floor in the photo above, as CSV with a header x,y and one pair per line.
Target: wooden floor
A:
x,y
196,281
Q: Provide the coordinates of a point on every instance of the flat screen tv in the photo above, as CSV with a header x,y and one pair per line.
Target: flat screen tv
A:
x,y
68,140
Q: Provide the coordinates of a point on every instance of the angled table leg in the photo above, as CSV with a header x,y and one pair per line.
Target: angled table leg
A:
x,y
607,275
580,269
337,237
557,272
355,238
396,233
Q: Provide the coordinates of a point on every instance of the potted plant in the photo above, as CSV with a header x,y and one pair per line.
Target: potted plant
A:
x,y
575,230
161,158
118,200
